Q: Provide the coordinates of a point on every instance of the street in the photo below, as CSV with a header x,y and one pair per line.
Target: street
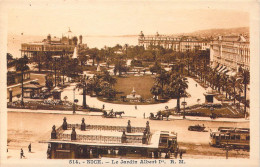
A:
x,y
24,128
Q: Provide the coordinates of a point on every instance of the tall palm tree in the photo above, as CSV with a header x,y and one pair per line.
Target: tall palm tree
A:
x,y
162,79
21,65
177,87
245,80
224,83
234,83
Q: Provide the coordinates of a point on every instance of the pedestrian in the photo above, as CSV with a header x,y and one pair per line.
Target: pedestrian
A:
x,y
180,154
103,106
22,155
175,154
136,107
30,148
144,115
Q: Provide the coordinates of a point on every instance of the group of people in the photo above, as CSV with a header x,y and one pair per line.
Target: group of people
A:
x,y
29,150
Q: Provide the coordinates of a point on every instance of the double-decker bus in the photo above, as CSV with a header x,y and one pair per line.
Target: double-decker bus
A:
x,y
235,137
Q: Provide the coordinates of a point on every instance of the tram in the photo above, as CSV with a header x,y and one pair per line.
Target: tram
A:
x,y
230,136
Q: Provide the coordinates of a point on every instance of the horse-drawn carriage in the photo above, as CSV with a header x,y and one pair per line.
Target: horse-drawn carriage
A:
x,y
154,117
159,115
113,114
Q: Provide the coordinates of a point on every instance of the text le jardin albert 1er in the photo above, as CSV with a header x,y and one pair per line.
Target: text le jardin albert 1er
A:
x,y
115,162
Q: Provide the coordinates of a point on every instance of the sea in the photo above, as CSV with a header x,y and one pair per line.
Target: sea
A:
x,y
14,41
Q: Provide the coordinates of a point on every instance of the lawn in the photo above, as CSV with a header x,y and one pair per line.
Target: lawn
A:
x,y
141,84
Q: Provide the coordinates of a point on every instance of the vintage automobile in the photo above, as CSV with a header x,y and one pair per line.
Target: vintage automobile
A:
x,y
198,128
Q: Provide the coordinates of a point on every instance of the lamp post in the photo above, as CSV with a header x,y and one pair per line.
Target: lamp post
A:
x,y
74,101
211,111
55,69
10,95
184,103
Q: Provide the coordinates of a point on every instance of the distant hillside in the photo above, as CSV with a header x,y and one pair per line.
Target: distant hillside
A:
x,y
219,32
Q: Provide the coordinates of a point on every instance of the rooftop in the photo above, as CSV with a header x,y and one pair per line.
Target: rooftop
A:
x,y
103,135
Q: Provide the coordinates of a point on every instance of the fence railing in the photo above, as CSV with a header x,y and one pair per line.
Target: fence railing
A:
x,y
108,128
100,138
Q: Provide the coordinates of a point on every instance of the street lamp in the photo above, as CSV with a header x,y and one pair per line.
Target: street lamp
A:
x,y
184,103
74,101
211,111
10,95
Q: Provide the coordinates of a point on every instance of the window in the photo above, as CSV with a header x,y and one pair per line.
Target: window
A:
x,y
227,137
223,137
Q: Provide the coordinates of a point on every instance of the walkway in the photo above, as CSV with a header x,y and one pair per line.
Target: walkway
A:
x,y
195,92
189,118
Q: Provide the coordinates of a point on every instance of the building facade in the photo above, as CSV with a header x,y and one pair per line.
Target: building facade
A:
x,y
176,43
230,53
53,46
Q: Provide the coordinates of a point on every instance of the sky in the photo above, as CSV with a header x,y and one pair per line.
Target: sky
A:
x,y
123,18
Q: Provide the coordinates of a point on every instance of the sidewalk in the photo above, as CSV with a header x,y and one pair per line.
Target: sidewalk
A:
x,y
194,118
12,86
55,112
188,118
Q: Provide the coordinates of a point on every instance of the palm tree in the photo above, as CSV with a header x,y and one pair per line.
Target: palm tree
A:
x,y
162,79
245,80
177,87
21,65
83,85
224,82
234,83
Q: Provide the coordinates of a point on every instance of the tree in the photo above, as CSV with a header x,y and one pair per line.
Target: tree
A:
x,y
244,75
234,83
93,54
119,66
108,92
177,87
162,79
106,77
10,59
156,91
224,83
83,57
21,65
83,85
155,68
49,81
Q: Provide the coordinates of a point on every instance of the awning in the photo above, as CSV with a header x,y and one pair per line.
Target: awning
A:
x,y
223,69
218,69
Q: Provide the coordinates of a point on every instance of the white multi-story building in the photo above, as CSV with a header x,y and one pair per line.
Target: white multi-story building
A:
x,y
229,53
176,43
